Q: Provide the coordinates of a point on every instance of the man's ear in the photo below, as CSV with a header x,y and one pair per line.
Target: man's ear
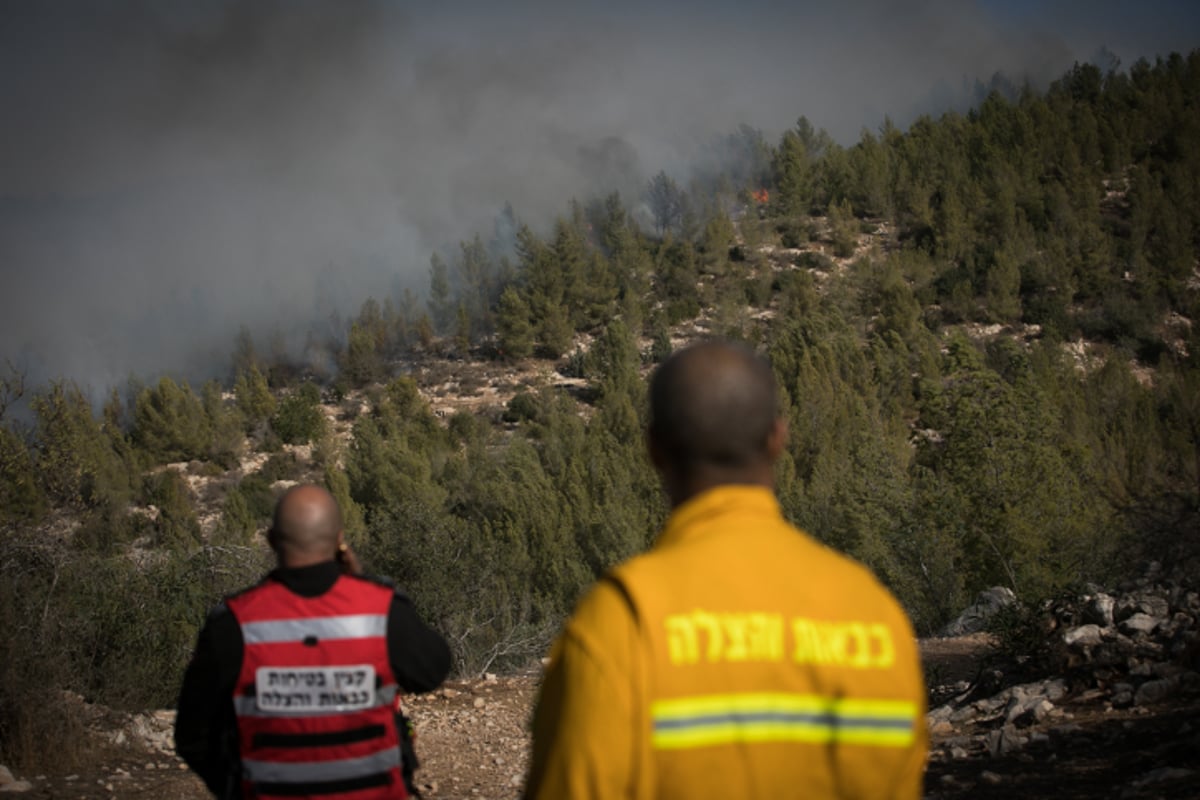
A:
x,y
777,438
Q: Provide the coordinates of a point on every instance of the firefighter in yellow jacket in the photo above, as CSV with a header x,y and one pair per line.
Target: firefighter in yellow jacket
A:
x,y
738,658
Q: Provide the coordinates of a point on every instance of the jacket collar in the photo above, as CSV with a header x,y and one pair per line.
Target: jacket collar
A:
x,y
310,581
729,499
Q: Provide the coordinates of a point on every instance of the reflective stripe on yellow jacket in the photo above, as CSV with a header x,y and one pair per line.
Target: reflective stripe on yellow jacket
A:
x,y
738,658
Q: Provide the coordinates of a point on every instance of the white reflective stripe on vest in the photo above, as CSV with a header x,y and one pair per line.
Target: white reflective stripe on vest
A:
x,y
247,706
350,626
320,771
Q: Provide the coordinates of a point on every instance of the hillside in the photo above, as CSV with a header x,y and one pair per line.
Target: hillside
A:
x,y
982,328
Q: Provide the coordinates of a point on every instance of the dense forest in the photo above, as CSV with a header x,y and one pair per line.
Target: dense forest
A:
x,y
982,326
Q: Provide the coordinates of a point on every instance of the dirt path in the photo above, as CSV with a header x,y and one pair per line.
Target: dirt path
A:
x,y
473,743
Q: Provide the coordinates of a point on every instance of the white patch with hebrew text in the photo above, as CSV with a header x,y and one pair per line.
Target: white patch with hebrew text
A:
x,y
290,690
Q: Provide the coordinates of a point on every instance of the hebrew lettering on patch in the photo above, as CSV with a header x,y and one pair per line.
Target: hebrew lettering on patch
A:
x,y
683,645
731,637
294,690
851,644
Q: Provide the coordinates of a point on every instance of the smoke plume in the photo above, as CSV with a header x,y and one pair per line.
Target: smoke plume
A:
x,y
173,169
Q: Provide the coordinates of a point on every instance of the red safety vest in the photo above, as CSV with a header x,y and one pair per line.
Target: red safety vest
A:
x,y
315,696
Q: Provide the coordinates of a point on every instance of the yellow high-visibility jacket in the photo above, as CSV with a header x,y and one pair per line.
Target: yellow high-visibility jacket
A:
x,y
738,658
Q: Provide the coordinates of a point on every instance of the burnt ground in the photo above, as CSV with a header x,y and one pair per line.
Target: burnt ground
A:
x,y
473,743
1136,753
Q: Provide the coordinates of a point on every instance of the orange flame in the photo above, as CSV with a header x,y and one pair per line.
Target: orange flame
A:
x,y
761,196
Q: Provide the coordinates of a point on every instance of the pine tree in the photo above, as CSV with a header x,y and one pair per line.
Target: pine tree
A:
x,y
513,329
477,279
362,362
717,239
76,461
666,203
843,229
21,498
571,257
170,423
462,331
253,397
440,305
299,419
792,169
225,423
244,355
1003,297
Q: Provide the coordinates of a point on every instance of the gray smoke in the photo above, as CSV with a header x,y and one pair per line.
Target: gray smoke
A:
x,y
173,169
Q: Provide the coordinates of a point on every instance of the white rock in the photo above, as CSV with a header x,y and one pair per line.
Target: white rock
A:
x,y
1083,636
940,714
1055,690
16,787
1100,610
968,714
974,618
6,775
941,728
1139,623
1004,741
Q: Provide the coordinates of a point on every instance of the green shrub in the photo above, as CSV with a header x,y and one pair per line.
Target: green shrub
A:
x,y
794,232
113,631
260,498
463,426
522,407
811,259
660,348
21,498
238,522
575,366
281,467
299,419
176,525
102,529
254,398
170,423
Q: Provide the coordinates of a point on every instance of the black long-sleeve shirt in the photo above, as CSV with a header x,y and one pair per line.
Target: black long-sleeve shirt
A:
x,y
205,727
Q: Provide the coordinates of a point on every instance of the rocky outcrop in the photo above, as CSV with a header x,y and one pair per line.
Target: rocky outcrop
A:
x,y
153,732
9,783
1139,645
1127,653
975,619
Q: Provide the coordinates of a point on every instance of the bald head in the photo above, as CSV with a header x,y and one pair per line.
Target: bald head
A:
x,y
307,527
714,408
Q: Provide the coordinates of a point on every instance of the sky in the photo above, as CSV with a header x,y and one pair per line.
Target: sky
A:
x,y
171,170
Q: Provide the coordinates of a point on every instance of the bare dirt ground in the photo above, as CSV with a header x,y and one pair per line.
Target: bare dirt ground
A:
x,y
473,743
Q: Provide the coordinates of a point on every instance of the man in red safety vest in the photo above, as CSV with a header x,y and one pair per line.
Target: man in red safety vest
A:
x,y
294,686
